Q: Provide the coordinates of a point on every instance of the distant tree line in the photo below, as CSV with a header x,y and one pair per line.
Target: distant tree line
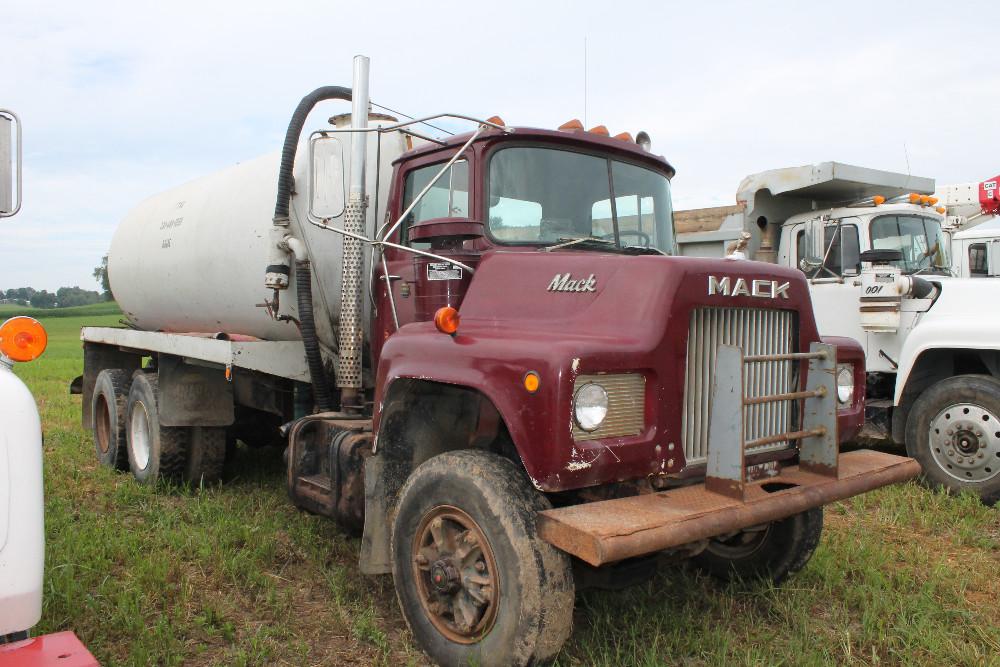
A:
x,y
64,297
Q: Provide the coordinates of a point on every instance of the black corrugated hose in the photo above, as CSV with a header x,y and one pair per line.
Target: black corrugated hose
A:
x,y
303,272
307,326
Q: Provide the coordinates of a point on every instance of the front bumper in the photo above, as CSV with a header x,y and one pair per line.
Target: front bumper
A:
x,y
611,530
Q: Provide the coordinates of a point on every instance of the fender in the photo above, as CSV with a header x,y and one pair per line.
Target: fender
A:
x,y
851,418
22,528
965,332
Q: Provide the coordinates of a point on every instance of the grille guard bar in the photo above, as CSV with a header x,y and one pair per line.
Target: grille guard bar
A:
x,y
611,530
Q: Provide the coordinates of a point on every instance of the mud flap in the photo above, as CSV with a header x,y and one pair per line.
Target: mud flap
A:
x,y
375,545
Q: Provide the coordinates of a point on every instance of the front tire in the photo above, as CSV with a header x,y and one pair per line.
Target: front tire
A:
x,y
154,451
475,582
953,430
774,551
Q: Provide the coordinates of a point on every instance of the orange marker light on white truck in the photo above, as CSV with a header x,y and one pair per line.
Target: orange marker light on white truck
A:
x,y
22,339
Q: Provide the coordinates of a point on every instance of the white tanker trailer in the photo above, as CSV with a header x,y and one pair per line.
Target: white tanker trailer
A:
x,y
190,259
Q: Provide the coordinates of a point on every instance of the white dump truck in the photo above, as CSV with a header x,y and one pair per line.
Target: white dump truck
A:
x,y
973,220
874,249
22,524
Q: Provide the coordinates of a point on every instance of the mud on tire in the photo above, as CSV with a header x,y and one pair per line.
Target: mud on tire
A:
x,y
484,510
779,550
108,411
154,451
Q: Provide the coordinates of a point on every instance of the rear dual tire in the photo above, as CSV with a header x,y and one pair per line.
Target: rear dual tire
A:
x,y
154,451
108,410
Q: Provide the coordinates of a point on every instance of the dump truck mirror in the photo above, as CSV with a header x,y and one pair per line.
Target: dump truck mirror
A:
x,y
10,163
326,177
812,258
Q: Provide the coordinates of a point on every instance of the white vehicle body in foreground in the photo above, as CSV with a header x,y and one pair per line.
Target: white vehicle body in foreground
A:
x,y
22,528
922,328
974,227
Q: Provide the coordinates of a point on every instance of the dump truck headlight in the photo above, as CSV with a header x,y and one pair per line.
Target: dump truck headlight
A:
x,y
845,383
590,406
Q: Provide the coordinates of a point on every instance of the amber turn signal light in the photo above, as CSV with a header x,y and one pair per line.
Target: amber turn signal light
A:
x,y
22,339
532,381
446,320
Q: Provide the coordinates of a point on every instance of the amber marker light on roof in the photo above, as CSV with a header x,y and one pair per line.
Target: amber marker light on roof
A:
x,y
601,130
496,120
571,126
941,209
532,381
878,200
914,198
446,320
22,339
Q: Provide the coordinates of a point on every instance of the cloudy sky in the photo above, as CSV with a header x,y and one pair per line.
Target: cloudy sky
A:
x,y
121,100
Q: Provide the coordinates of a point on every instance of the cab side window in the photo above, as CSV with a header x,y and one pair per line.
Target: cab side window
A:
x,y
447,198
978,265
843,257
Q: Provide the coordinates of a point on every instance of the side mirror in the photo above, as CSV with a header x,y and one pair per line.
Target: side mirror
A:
x,y
812,259
10,163
326,177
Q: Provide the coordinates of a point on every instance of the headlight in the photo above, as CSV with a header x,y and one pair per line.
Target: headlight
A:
x,y
845,383
590,406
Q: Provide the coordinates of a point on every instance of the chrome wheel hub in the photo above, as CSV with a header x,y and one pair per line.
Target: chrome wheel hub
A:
x,y
139,435
965,442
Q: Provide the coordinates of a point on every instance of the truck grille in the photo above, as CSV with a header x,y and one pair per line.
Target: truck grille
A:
x,y
755,331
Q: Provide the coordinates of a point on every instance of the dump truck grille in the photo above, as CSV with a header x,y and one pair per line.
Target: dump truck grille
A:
x,y
755,331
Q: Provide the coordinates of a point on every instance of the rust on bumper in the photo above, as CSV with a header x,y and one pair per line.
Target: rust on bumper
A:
x,y
611,530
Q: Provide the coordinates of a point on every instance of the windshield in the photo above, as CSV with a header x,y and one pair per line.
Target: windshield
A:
x,y
919,239
544,195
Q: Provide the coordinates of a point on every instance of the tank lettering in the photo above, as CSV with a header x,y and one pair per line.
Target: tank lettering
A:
x,y
176,222
165,244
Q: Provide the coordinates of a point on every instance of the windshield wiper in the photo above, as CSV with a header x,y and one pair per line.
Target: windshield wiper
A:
x,y
583,241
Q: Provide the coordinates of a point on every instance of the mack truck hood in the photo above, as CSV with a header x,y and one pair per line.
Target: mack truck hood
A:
x,y
573,314
963,316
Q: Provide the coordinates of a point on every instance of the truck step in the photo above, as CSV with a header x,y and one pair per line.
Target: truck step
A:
x,y
611,530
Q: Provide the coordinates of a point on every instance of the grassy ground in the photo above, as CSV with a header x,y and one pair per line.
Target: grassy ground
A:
x,y
234,575
92,310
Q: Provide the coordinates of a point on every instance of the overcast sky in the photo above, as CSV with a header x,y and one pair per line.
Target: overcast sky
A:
x,y
121,100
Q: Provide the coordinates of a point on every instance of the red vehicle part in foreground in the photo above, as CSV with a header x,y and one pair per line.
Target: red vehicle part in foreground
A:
x,y
61,649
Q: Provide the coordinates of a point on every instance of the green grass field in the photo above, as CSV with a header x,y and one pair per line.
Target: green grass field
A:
x,y
234,575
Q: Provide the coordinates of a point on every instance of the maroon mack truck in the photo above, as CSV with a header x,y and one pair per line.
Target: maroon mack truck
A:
x,y
483,357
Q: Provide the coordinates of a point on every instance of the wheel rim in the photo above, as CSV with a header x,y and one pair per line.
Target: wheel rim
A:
x,y
139,435
456,574
965,442
741,545
102,424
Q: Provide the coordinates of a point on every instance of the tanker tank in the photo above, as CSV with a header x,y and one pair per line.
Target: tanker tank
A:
x,y
192,259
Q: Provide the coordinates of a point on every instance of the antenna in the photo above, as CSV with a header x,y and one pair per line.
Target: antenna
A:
x,y
585,81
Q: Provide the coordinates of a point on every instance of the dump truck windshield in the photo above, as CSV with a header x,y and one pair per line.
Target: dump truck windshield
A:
x,y
546,195
920,239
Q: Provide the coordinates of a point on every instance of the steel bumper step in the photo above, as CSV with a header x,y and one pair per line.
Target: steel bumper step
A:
x,y
611,530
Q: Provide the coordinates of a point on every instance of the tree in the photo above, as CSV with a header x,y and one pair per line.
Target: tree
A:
x,y
43,299
101,276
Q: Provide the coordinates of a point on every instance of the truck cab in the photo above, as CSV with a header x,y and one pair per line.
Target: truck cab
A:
x,y
876,250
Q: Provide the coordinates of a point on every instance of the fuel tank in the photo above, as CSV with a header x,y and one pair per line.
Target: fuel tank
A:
x,y
192,259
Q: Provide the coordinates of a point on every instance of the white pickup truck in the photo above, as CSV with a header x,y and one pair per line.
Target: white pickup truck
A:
x,y
878,260
973,220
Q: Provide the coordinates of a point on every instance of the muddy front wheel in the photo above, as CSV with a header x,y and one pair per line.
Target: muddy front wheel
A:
x,y
475,582
771,551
